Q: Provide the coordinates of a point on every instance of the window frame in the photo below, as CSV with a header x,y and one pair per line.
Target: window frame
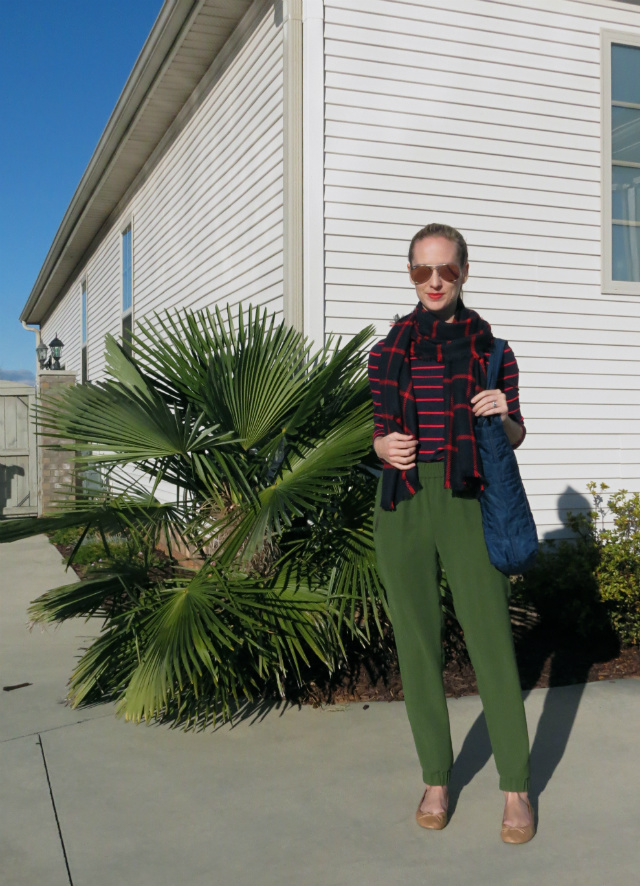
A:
x,y
607,39
126,315
84,331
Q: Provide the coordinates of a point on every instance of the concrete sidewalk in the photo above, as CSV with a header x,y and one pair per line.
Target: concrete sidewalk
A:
x,y
303,797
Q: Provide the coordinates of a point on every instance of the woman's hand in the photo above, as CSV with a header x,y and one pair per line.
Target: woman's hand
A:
x,y
495,403
397,449
490,403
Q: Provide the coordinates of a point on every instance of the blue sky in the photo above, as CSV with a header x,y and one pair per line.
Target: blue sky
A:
x,y
63,64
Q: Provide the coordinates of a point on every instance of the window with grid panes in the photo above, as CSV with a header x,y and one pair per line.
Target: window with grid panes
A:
x,y
621,162
84,370
625,162
127,289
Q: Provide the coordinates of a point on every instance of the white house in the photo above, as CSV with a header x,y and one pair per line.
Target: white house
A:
x,y
284,153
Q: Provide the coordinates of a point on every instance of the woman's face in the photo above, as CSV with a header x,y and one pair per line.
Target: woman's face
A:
x,y
438,295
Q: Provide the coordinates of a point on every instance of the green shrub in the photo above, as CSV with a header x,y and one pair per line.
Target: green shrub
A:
x,y
590,585
70,535
93,551
618,572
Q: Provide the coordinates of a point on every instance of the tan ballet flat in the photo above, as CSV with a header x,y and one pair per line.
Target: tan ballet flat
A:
x,y
519,835
433,821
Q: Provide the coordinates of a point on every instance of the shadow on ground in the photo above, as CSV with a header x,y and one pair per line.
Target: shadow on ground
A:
x,y
568,662
563,631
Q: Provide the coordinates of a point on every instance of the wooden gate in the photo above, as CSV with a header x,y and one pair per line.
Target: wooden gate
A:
x,y
18,465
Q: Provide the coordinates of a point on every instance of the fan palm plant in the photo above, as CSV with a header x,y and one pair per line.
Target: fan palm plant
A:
x,y
265,447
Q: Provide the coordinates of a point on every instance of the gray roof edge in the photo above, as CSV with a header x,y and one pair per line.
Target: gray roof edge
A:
x,y
166,28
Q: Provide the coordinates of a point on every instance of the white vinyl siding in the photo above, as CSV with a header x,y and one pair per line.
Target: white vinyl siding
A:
x,y
209,219
103,275
65,322
489,120
208,208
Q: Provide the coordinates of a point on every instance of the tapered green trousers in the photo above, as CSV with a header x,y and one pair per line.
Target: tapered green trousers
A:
x,y
432,528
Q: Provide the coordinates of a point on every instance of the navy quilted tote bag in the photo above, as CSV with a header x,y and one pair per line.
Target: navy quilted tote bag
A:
x,y
509,529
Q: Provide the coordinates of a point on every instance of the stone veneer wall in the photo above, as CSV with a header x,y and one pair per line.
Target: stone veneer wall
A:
x,y
56,469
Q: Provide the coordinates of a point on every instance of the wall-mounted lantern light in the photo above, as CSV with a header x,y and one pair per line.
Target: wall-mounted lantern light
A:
x,y
41,353
56,347
53,362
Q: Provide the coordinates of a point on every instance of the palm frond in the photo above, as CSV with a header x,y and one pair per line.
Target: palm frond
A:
x,y
336,386
14,530
97,596
303,483
105,668
205,629
123,421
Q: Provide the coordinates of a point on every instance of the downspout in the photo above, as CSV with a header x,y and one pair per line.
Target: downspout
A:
x,y
35,329
293,240
313,310
38,333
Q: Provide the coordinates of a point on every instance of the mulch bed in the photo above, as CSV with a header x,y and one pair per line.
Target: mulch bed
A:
x,y
546,658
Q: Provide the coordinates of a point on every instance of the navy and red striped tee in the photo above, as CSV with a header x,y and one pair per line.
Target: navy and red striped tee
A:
x,y
427,378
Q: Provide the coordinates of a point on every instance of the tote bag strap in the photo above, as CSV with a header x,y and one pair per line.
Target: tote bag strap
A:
x,y
495,361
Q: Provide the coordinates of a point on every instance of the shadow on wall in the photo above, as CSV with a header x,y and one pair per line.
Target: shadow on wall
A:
x,y
559,644
7,473
570,501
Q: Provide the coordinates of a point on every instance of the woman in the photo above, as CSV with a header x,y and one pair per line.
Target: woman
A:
x,y
427,381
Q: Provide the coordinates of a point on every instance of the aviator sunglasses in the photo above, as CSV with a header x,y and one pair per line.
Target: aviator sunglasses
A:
x,y
423,273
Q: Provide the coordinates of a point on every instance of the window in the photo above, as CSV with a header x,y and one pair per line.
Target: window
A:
x,y
621,162
127,289
85,373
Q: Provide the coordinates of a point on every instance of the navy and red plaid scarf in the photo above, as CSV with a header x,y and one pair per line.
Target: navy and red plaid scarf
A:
x,y
459,345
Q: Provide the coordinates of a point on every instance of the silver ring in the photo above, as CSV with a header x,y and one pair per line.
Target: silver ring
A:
x,y
495,404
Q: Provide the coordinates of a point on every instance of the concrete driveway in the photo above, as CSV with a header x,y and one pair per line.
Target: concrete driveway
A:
x,y
304,797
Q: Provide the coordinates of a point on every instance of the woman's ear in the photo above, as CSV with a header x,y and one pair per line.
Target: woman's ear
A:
x,y
465,274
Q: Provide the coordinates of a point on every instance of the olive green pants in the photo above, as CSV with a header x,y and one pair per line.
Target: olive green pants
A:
x,y
435,527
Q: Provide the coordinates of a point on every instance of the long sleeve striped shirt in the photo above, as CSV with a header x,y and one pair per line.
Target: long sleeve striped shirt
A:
x,y
427,378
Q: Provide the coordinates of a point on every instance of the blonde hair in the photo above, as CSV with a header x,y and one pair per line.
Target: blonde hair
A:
x,y
437,230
